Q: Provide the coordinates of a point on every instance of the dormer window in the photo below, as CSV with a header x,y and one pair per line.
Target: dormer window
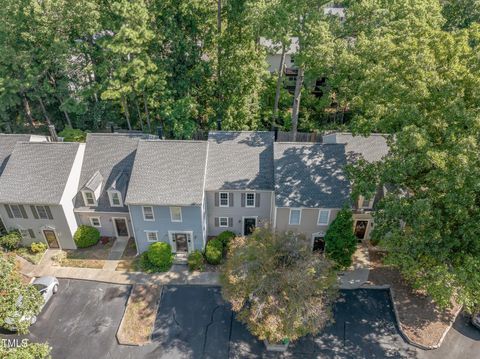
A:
x,y
115,199
89,198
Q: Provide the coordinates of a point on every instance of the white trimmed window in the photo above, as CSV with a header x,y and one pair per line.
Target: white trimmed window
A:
x,y
223,221
176,214
224,200
17,213
152,236
95,222
89,198
323,217
115,199
148,213
365,203
295,217
42,212
250,200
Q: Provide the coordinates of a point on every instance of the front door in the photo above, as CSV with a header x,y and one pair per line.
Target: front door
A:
x,y
361,229
318,244
249,225
51,238
121,227
181,242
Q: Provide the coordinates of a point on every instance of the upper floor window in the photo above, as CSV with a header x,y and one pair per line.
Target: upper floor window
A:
x,y
148,213
224,200
43,212
364,202
89,198
250,200
323,217
176,214
295,216
16,211
115,199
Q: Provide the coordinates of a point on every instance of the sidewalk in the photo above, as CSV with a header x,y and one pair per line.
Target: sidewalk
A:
x,y
357,274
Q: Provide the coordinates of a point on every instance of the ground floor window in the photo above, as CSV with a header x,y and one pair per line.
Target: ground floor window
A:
x,y
223,221
95,221
152,236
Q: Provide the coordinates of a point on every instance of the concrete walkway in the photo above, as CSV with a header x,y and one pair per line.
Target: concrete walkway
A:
x,y
357,274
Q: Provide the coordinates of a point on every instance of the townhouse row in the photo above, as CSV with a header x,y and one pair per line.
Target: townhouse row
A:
x,y
179,192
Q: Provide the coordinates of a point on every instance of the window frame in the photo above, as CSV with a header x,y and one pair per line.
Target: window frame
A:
x,y
17,206
369,202
299,217
99,222
254,199
42,209
220,199
84,194
220,222
153,214
328,217
171,214
148,232
110,198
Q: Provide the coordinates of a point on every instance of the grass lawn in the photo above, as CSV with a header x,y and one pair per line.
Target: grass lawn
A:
x,y
91,257
137,323
28,255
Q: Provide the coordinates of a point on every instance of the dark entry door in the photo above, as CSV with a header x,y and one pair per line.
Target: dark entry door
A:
x,y
121,226
51,238
318,244
181,242
360,229
249,225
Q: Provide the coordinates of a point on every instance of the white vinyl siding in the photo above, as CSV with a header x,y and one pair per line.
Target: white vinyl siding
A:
x,y
148,213
323,217
295,217
176,214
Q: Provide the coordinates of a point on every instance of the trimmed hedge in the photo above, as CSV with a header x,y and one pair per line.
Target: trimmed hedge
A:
x,y
214,251
38,247
11,240
86,236
160,255
225,237
196,261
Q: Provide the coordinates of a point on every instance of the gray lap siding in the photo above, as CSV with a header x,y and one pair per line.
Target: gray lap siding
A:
x,y
106,220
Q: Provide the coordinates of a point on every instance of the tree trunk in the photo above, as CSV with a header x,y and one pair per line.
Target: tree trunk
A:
x,y
147,114
125,110
44,110
27,109
279,87
296,102
220,97
67,117
139,115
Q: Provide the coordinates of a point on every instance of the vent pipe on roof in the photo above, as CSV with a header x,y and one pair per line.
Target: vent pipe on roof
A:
x,y
53,133
160,132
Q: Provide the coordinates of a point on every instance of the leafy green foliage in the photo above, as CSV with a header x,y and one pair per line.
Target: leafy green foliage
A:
x,y
38,247
73,135
27,351
18,300
214,251
196,261
160,255
11,240
86,236
225,237
277,286
340,241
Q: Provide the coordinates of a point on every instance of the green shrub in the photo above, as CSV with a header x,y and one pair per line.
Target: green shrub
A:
x,y
340,241
160,255
214,251
86,236
225,237
374,241
72,135
11,240
38,247
196,261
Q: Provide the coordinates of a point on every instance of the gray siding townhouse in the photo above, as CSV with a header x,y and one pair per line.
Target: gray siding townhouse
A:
x,y
166,196
239,183
372,149
104,179
37,190
310,188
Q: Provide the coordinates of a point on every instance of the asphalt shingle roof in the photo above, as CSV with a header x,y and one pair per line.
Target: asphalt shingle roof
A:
x,y
7,143
371,148
240,160
310,175
109,155
168,173
37,172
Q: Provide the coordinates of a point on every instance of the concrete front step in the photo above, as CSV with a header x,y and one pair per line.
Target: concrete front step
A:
x,y
181,258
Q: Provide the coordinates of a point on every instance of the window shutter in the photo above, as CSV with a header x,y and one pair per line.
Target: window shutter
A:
x,y
257,199
216,199
243,200
230,222
31,233
49,213
230,201
22,209
217,224
9,211
34,212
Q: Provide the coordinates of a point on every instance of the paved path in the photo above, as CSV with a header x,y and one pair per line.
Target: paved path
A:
x,y
357,274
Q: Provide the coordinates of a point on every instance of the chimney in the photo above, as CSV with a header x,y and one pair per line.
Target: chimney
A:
x,y
160,132
53,133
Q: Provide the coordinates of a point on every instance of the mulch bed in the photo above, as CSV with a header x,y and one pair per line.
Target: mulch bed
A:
x,y
420,318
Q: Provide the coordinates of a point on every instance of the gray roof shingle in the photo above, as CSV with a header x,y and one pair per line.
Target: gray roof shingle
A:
x,y
240,160
37,172
107,156
371,148
7,143
310,175
168,173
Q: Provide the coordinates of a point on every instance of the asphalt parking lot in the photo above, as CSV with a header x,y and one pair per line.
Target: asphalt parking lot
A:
x,y
194,322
